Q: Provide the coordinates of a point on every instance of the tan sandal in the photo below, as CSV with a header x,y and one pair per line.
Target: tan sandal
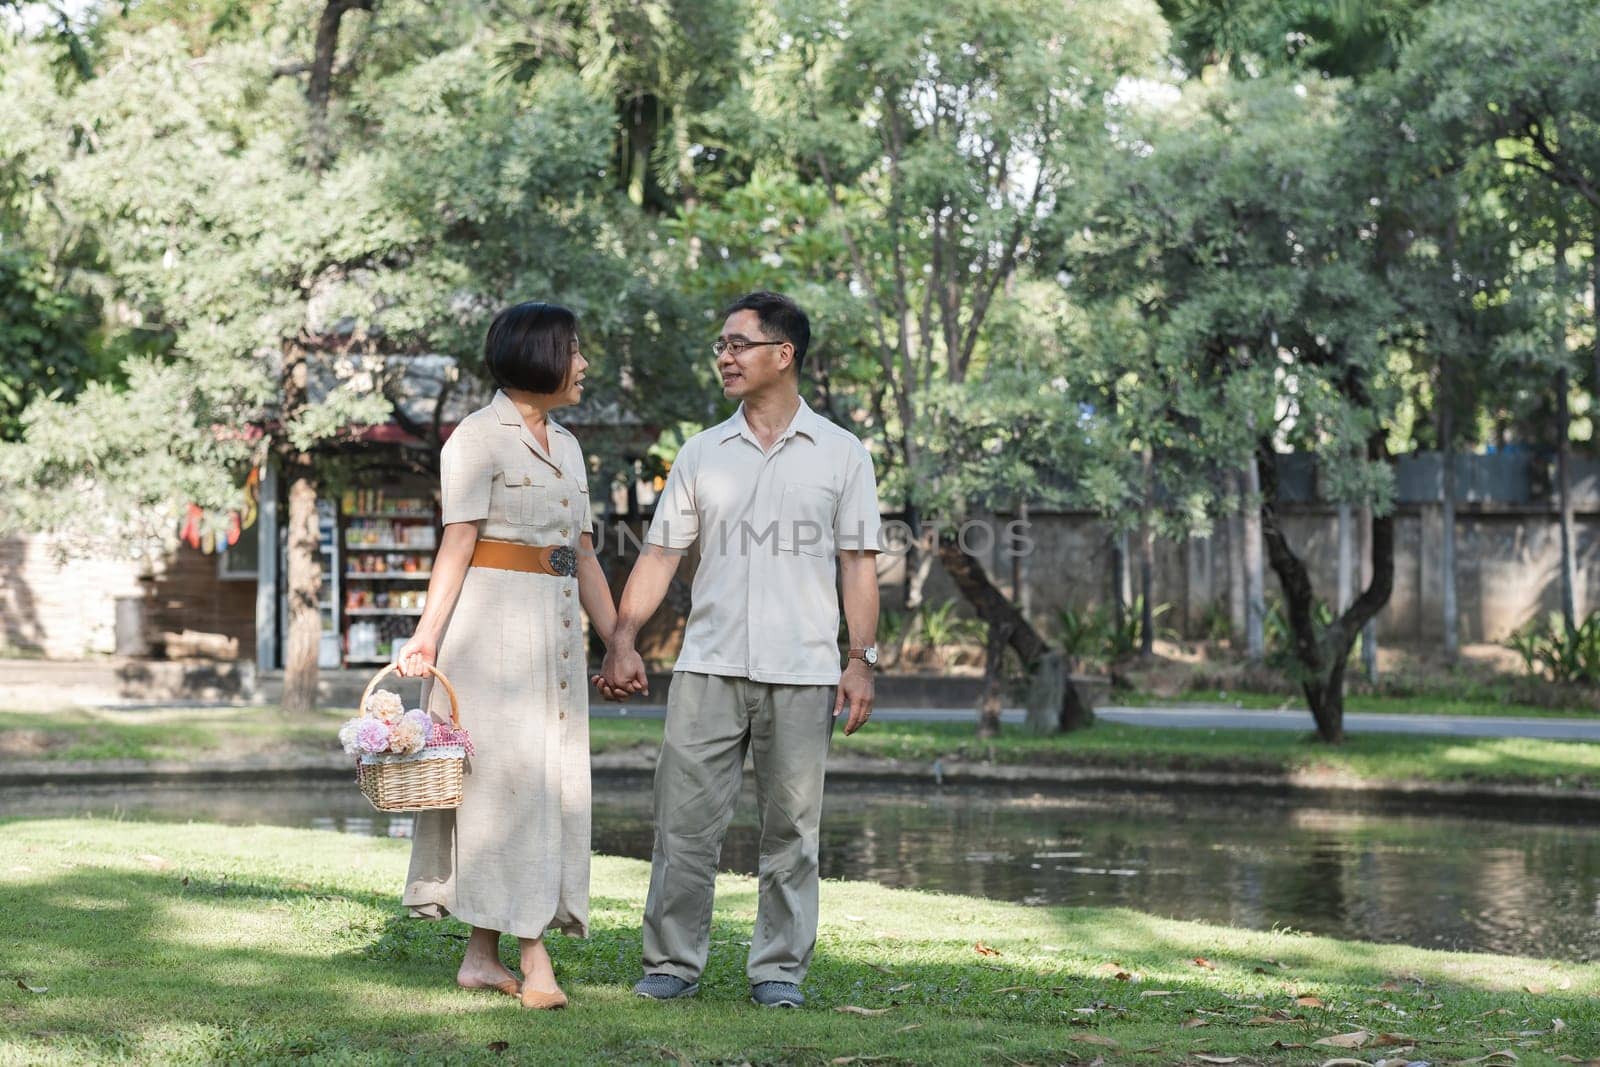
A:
x,y
535,1000
509,986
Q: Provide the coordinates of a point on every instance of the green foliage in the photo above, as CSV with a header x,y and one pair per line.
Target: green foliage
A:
x,y
939,625
47,338
1548,648
1095,635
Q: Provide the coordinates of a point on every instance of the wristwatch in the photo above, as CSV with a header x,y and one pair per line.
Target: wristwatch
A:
x,y
868,655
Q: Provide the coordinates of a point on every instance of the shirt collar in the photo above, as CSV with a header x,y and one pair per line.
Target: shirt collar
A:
x,y
804,422
505,409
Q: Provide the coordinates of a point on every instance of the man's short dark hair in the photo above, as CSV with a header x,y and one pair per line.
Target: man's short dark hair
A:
x,y
529,347
781,318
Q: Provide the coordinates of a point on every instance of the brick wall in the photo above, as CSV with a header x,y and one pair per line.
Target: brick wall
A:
x,y
67,609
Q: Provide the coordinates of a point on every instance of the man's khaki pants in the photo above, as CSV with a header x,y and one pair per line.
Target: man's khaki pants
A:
x,y
711,721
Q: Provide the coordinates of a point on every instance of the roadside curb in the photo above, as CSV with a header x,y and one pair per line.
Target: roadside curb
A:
x,y
1300,784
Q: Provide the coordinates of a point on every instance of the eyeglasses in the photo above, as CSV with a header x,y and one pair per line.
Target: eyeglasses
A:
x,y
719,346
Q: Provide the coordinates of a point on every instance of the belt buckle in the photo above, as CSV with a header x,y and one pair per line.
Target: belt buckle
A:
x,y
563,561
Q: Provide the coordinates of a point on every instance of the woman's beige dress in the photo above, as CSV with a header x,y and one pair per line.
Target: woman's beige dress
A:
x,y
514,857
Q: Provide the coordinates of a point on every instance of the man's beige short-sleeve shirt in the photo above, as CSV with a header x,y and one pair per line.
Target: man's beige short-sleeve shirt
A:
x,y
770,526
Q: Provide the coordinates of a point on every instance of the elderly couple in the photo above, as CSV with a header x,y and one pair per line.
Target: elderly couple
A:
x,y
772,497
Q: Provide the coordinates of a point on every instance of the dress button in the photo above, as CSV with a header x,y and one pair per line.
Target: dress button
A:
x,y
526,480
566,592
566,503
567,623
564,533
566,653
563,685
563,715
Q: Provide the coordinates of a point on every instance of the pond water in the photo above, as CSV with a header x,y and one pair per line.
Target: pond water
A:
x,y
1457,879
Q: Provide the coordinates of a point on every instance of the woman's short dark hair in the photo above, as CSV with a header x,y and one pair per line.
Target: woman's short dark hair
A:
x,y
780,317
529,347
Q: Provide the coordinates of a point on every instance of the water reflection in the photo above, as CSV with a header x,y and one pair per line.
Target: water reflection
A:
x,y
1436,879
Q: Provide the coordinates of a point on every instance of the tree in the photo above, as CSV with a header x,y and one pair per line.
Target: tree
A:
x,y
300,251
1253,258
940,141
1518,85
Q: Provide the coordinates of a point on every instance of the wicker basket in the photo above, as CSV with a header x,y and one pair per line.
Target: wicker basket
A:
x,y
422,781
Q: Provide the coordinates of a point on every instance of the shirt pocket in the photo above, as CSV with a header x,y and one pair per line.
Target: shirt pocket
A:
x,y
805,519
526,498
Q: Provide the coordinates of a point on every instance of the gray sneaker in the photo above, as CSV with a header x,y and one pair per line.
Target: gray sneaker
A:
x,y
664,987
777,995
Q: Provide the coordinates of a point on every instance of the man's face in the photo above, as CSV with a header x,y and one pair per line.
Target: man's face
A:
x,y
752,362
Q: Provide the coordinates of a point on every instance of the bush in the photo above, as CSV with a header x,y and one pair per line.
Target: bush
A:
x,y
1548,648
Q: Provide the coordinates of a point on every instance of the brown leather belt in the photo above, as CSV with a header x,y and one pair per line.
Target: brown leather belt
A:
x,y
558,560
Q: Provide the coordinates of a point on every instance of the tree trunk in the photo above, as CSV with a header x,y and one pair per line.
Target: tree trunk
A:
x,y
1254,574
1569,574
1003,617
319,86
1447,511
1238,610
992,699
1147,565
304,576
1121,584
1320,656
1347,558
1369,632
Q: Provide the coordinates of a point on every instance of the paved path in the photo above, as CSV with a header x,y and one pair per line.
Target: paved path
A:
x,y
1220,718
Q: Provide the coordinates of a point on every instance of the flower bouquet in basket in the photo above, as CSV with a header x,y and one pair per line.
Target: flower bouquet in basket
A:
x,y
405,760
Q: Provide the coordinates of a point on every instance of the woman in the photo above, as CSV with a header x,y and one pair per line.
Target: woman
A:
x,y
515,561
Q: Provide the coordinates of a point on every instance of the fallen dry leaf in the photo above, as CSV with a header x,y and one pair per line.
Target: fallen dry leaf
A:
x,y
908,1028
1556,1026
1201,961
1216,1059
30,988
1354,1039
1397,1061
903,986
1286,1045
155,861
851,1009
1344,1062
1581,1063
1504,1055
1010,989
984,950
1310,1002
1536,989
1123,976
855,918
498,1046
1194,1024
1095,1039
1157,993
1394,1039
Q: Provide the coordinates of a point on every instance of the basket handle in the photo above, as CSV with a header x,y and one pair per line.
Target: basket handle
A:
x,y
450,690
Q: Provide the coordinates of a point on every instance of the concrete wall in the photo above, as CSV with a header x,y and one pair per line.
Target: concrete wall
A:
x,y
1507,569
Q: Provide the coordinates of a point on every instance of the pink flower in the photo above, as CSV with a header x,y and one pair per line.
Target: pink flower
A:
x,y
372,736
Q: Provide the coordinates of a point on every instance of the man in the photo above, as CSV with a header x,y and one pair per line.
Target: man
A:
x,y
773,495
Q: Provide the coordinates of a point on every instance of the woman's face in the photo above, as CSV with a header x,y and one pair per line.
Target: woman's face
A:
x,y
571,391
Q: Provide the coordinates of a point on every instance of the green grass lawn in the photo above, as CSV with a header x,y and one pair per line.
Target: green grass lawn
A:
x,y
1376,757
204,944
244,733
1477,703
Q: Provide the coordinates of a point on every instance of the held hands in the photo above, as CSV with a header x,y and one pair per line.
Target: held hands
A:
x,y
622,674
856,688
415,656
